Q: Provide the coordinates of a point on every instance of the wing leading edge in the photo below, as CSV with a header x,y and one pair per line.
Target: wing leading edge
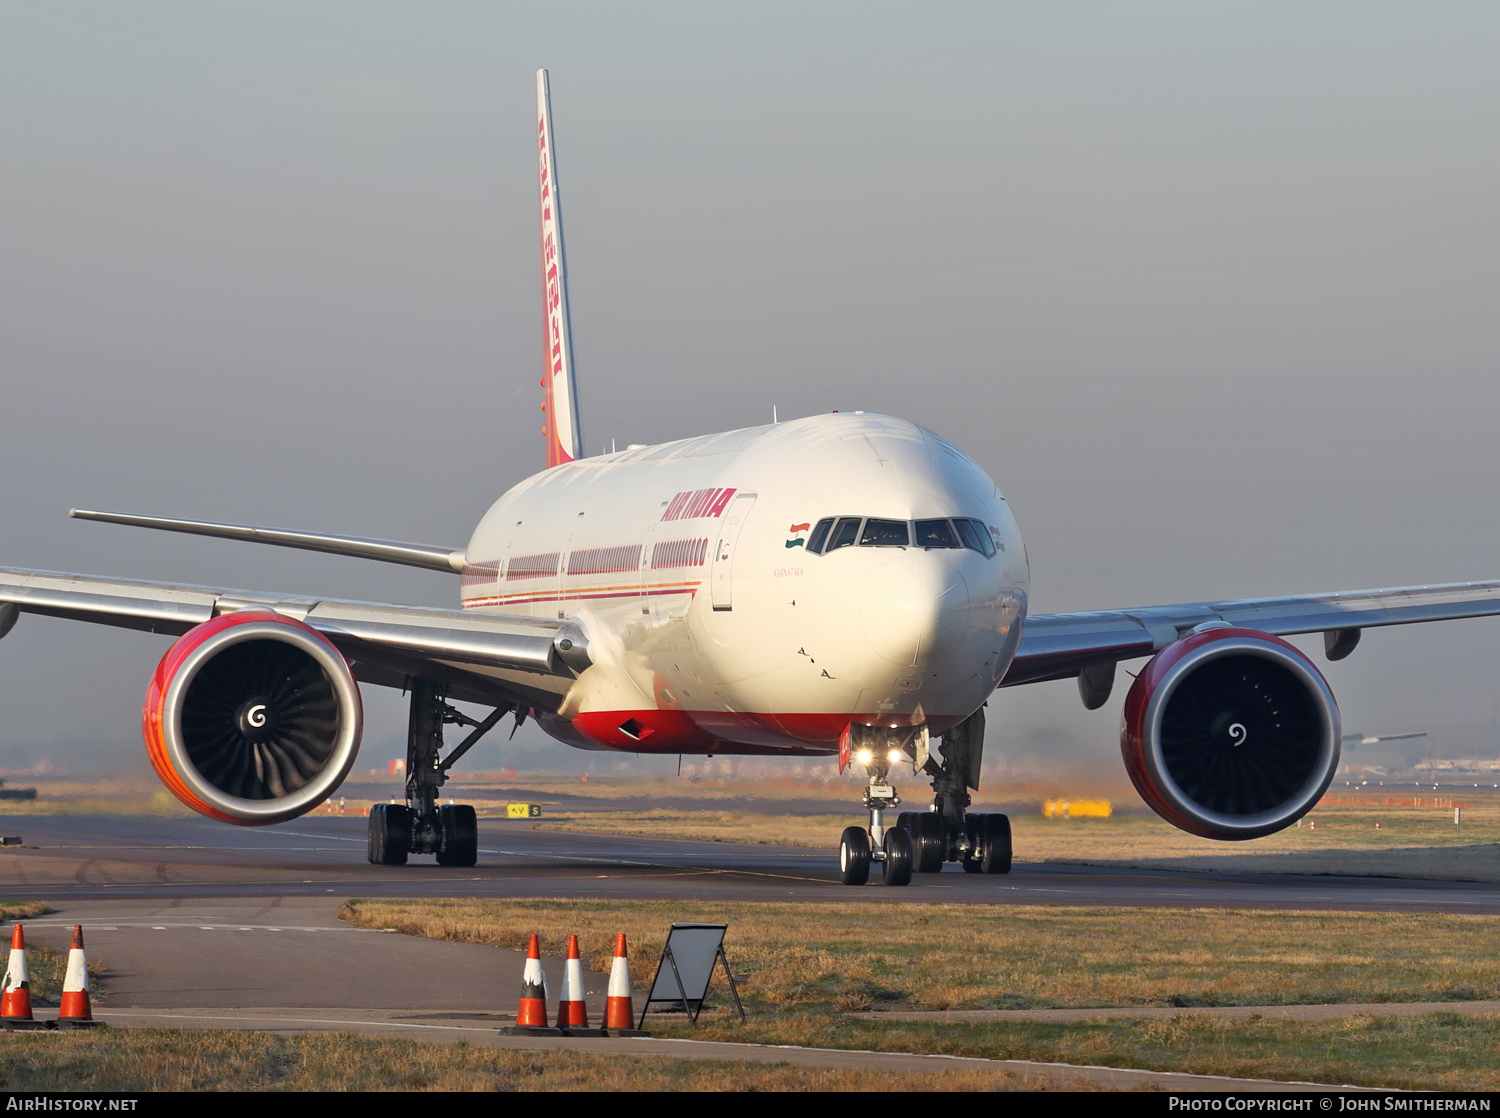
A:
x,y
483,654
430,556
1060,645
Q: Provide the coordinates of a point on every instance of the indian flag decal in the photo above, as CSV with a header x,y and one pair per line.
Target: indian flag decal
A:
x,y
797,535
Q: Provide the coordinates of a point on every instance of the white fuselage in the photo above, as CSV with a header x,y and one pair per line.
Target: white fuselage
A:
x,y
710,625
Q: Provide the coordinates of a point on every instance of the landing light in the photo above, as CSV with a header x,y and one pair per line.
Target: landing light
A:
x,y
895,755
864,756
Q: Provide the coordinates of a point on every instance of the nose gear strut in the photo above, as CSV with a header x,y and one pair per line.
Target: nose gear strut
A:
x,y
889,847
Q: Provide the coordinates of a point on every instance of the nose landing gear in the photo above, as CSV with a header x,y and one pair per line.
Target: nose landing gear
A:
x,y
889,847
921,841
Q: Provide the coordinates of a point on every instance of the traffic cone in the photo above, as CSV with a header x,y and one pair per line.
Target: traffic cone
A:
x,y
533,1011
15,1001
572,1010
619,1010
75,1009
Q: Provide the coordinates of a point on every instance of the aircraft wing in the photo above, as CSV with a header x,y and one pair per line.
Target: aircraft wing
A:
x,y
484,654
386,551
1060,645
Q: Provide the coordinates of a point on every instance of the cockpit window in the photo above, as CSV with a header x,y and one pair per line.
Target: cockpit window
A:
x,y
936,533
819,536
986,540
975,536
885,533
832,533
844,534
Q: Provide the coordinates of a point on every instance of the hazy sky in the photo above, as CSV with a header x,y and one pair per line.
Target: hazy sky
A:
x,y
1211,291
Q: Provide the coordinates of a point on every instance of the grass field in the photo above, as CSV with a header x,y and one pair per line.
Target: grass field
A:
x,y
173,1060
1432,1052
919,956
124,795
11,911
1435,1052
800,988
45,967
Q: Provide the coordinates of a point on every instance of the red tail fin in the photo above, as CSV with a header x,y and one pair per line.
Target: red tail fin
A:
x,y
562,425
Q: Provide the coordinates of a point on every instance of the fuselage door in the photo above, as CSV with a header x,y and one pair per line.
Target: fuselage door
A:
x,y
650,564
728,543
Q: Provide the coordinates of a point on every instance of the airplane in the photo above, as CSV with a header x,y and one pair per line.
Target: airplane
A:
x,y
844,584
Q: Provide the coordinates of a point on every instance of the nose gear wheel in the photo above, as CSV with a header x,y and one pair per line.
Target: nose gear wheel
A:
x,y
890,847
854,856
897,865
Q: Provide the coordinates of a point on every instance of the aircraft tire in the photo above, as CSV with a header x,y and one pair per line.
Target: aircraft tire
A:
x,y
995,844
390,834
928,841
854,856
459,829
897,866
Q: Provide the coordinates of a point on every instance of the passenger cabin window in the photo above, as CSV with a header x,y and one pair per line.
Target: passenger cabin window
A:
x,y
820,536
845,533
885,533
936,533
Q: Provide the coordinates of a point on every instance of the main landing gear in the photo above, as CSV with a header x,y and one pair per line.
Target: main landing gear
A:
x,y
422,825
921,841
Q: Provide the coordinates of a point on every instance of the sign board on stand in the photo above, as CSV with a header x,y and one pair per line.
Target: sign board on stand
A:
x,y
687,967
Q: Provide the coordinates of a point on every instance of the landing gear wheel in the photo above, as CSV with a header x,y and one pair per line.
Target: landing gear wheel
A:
x,y
390,834
854,856
927,841
459,844
898,857
989,844
994,850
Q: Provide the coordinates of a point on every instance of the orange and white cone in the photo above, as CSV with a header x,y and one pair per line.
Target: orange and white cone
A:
x,y
533,1011
15,1000
619,1010
75,1008
572,1011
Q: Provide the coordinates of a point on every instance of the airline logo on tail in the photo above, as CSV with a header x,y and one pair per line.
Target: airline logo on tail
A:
x,y
562,425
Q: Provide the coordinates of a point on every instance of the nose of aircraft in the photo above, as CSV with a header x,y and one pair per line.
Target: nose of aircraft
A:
x,y
909,602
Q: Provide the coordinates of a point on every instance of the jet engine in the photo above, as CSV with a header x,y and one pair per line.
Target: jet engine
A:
x,y
1230,733
252,718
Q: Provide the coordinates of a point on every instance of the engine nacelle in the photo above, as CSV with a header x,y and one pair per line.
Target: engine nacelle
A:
x,y
1230,733
252,718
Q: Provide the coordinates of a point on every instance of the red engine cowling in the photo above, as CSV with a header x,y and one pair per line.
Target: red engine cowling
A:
x,y
1230,733
252,718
